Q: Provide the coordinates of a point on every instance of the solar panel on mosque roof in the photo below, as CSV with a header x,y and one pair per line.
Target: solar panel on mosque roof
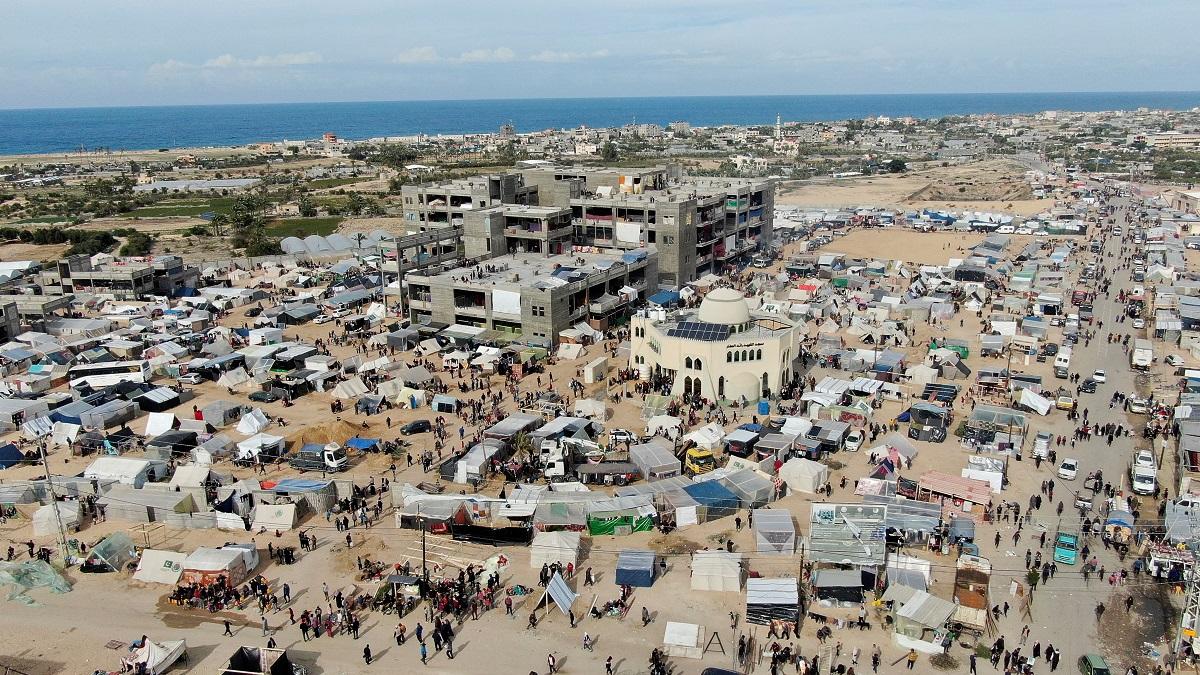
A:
x,y
699,330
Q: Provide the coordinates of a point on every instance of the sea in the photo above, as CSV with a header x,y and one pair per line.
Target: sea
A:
x,y
65,130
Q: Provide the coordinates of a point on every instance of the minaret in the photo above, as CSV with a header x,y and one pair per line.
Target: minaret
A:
x,y
778,126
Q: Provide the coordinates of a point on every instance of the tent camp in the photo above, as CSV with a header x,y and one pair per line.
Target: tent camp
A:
x,y
655,460
551,547
636,568
125,470
271,517
45,521
716,571
803,475
771,600
260,444
350,389
774,532
160,567
64,433
205,565
222,413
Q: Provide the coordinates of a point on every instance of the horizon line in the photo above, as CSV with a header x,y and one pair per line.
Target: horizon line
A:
x,y
583,98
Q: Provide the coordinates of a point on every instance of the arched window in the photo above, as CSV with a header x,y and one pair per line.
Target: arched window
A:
x,y
687,363
696,387
696,364
728,357
758,355
766,390
735,357
744,356
687,384
721,387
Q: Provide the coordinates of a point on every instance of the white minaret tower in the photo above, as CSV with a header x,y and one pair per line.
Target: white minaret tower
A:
x,y
778,126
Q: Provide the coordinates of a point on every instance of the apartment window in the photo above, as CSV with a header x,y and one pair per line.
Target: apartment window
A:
x,y
538,310
668,239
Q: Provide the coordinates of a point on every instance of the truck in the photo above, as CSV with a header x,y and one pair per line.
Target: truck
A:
x,y
559,456
1142,355
1143,473
697,461
317,457
972,575
1062,362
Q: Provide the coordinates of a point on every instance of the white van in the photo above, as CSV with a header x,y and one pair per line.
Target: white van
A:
x,y
1006,229
1062,362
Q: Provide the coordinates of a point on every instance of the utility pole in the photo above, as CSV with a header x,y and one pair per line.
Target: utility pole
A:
x,y
1189,618
62,535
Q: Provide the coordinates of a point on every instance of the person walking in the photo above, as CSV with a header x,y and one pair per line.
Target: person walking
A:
x,y
367,655
265,627
399,633
912,658
552,662
424,653
228,629
972,662
587,641
608,666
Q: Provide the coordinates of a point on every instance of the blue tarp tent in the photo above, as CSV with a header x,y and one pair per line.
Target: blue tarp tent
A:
x,y
362,444
288,485
635,568
664,298
10,455
718,501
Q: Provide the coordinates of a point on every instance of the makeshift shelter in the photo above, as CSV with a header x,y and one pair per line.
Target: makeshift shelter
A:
x,y
10,456
256,661
684,640
716,500
770,600
158,423
752,489
145,506
636,568
552,547
160,567
206,565
253,422
834,587
153,657
64,433
46,519
222,413
774,532
272,517
352,388
708,437
655,460
260,445
125,470
716,571
804,475
113,553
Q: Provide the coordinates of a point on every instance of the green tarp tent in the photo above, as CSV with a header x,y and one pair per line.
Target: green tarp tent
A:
x,y
620,523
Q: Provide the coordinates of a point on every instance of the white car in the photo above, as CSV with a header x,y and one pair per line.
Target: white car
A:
x,y
1139,324
190,378
1174,360
854,440
323,318
622,436
1069,469
340,313
1099,376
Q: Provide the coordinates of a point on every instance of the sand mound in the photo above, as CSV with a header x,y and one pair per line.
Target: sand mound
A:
x,y
331,432
673,544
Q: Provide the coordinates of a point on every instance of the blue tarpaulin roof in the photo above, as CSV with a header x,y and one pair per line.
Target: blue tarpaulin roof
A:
x,y
10,456
664,298
300,485
362,443
712,495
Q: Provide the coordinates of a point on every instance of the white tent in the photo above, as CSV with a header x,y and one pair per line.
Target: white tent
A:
x,y
234,379
274,517
803,475
158,656
64,433
591,409
253,422
552,547
351,388
685,640
45,522
716,571
159,567
251,447
158,423
667,424
1034,402
774,532
708,436
189,476
569,351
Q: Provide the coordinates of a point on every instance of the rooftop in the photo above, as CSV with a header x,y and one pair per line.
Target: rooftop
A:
x,y
529,271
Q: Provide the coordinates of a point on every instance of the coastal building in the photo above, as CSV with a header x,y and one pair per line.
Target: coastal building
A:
x,y
722,350
510,228
435,205
534,296
1174,140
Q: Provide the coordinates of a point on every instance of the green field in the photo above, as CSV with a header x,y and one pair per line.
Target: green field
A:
x,y
302,227
182,208
43,220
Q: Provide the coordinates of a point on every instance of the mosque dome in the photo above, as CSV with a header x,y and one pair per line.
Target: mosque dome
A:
x,y
724,306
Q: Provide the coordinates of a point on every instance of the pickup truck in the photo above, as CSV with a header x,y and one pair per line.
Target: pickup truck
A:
x,y
316,457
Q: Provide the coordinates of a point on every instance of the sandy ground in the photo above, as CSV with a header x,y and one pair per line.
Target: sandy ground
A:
x,y
46,252
989,186
72,629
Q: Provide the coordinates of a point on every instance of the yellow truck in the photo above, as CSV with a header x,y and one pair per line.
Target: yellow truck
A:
x,y
697,460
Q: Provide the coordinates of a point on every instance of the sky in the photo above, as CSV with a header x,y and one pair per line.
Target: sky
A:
x,y
68,53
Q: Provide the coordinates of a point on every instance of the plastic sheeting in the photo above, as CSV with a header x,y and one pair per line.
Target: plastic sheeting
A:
x,y
23,576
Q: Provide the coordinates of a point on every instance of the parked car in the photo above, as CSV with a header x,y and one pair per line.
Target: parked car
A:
x,y
622,436
416,427
323,318
1099,376
190,378
1139,323
1094,664
264,397
1174,360
1088,386
854,440
1065,402
1137,406
1069,469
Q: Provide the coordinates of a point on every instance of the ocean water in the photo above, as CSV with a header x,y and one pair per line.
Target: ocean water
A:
x,y
47,130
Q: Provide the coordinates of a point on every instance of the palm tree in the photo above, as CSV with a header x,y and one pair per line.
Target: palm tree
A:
x,y
523,446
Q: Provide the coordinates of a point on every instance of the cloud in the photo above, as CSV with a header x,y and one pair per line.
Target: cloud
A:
x,y
417,55
497,55
548,56
272,61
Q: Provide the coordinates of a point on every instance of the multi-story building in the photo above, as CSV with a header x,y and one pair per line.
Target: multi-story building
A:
x,y
535,296
435,205
509,228
127,279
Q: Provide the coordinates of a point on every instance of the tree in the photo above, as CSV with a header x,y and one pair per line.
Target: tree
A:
x,y
308,209
896,166
608,151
